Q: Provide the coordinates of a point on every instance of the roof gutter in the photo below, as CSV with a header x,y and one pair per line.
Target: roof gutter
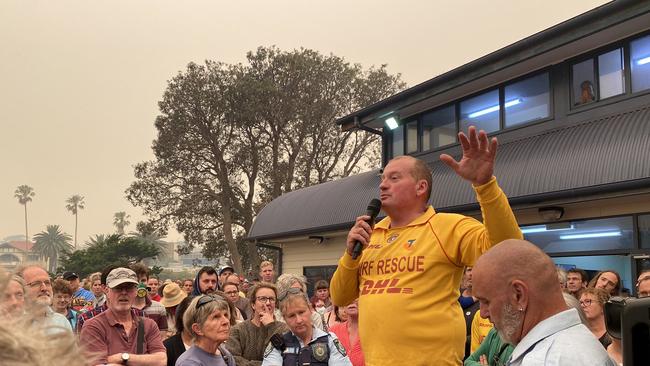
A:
x,y
359,125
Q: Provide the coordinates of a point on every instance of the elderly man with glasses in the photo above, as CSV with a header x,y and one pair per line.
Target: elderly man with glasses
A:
x,y
38,293
118,335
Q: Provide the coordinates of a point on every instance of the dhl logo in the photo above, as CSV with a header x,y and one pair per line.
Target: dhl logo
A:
x,y
388,286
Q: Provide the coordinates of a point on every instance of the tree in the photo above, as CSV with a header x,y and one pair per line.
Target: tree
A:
x,y
52,243
24,193
233,137
105,250
74,204
121,221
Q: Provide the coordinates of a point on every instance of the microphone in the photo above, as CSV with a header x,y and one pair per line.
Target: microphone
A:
x,y
372,210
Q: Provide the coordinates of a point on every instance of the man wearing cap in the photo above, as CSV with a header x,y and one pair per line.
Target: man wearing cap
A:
x,y
112,336
152,309
81,297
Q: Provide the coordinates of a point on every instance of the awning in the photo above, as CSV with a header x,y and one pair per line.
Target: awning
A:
x,y
601,155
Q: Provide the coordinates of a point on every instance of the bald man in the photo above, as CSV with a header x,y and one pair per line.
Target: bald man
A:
x,y
516,285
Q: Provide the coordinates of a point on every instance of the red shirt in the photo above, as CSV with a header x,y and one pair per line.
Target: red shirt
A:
x,y
353,350
103,336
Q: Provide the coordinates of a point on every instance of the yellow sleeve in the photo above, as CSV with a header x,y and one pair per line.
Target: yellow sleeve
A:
x,y
344,286
465,238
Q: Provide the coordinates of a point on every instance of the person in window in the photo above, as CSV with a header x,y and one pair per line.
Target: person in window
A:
x,y
592,301
587,92
608,280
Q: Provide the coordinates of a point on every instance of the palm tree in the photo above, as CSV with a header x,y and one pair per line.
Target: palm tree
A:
x,y
24,193
120,220
74,204
52,242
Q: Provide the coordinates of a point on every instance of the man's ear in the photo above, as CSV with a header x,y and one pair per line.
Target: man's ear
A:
x,y
520,294
421,187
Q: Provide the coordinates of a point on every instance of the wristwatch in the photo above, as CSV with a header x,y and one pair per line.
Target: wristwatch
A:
x,y
125,358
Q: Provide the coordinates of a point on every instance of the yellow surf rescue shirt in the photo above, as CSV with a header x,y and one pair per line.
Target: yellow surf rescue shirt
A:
x,y
407,280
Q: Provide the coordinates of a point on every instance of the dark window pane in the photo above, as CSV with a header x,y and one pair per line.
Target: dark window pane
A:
x,y
412,137
438,128
315,274
610,74
398,141
527,100
481,111
584,235
644,231
640,59
583,82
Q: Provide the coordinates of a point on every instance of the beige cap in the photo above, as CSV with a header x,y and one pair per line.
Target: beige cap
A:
x,y
119,276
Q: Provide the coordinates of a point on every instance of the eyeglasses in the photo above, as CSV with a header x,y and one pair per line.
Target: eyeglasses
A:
x,y
585,302
291,290
207,299
38,284
265,299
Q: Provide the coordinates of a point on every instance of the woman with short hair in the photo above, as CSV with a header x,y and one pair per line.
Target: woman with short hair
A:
x,y
592,301
303,344
62,299
207,319
290,280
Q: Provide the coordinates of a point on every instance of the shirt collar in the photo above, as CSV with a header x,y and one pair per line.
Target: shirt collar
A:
x,y
426,216
112,320
547,327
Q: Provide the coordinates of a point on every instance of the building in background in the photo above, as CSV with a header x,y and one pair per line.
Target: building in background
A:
x,y
571,108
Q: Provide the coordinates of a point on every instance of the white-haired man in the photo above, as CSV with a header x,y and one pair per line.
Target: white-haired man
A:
x,y
38,293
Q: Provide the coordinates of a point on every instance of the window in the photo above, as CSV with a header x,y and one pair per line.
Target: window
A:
x,y
481,111
644,231
583,82
610,74
398,141
412,137
640,64
439,128
527,100
584,235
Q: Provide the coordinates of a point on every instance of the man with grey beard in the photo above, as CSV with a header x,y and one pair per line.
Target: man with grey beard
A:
x,y
38,296
516,284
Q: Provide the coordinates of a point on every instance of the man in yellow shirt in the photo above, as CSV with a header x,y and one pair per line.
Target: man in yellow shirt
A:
x,y
407,277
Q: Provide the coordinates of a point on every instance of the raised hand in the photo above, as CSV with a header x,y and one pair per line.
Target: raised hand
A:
x,y
479,154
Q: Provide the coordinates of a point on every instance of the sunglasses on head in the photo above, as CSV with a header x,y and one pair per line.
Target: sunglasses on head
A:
x,y
207,299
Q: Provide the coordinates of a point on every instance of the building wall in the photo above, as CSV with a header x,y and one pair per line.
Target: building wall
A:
x,y
303,252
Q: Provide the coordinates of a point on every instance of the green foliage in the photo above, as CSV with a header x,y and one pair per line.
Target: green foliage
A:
x,y
155,271
233,137
52,243
103,251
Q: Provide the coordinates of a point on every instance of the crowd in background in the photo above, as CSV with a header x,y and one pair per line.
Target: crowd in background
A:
x,y
251,312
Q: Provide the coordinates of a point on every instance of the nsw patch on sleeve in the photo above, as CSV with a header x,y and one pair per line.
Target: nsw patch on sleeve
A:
x,y
339,347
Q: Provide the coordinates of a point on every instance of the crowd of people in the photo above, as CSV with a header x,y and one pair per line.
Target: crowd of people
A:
x,y
402,301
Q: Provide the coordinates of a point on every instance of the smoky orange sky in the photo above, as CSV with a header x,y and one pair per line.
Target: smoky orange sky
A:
x,y
80,80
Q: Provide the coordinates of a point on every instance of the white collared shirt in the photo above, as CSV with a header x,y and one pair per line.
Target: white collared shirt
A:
x,y
561,340
274,358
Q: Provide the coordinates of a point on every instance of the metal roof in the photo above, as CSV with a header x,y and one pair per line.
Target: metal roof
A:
x,y
596,156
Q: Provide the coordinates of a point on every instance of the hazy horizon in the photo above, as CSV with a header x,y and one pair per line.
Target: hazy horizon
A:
x,y
81,80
